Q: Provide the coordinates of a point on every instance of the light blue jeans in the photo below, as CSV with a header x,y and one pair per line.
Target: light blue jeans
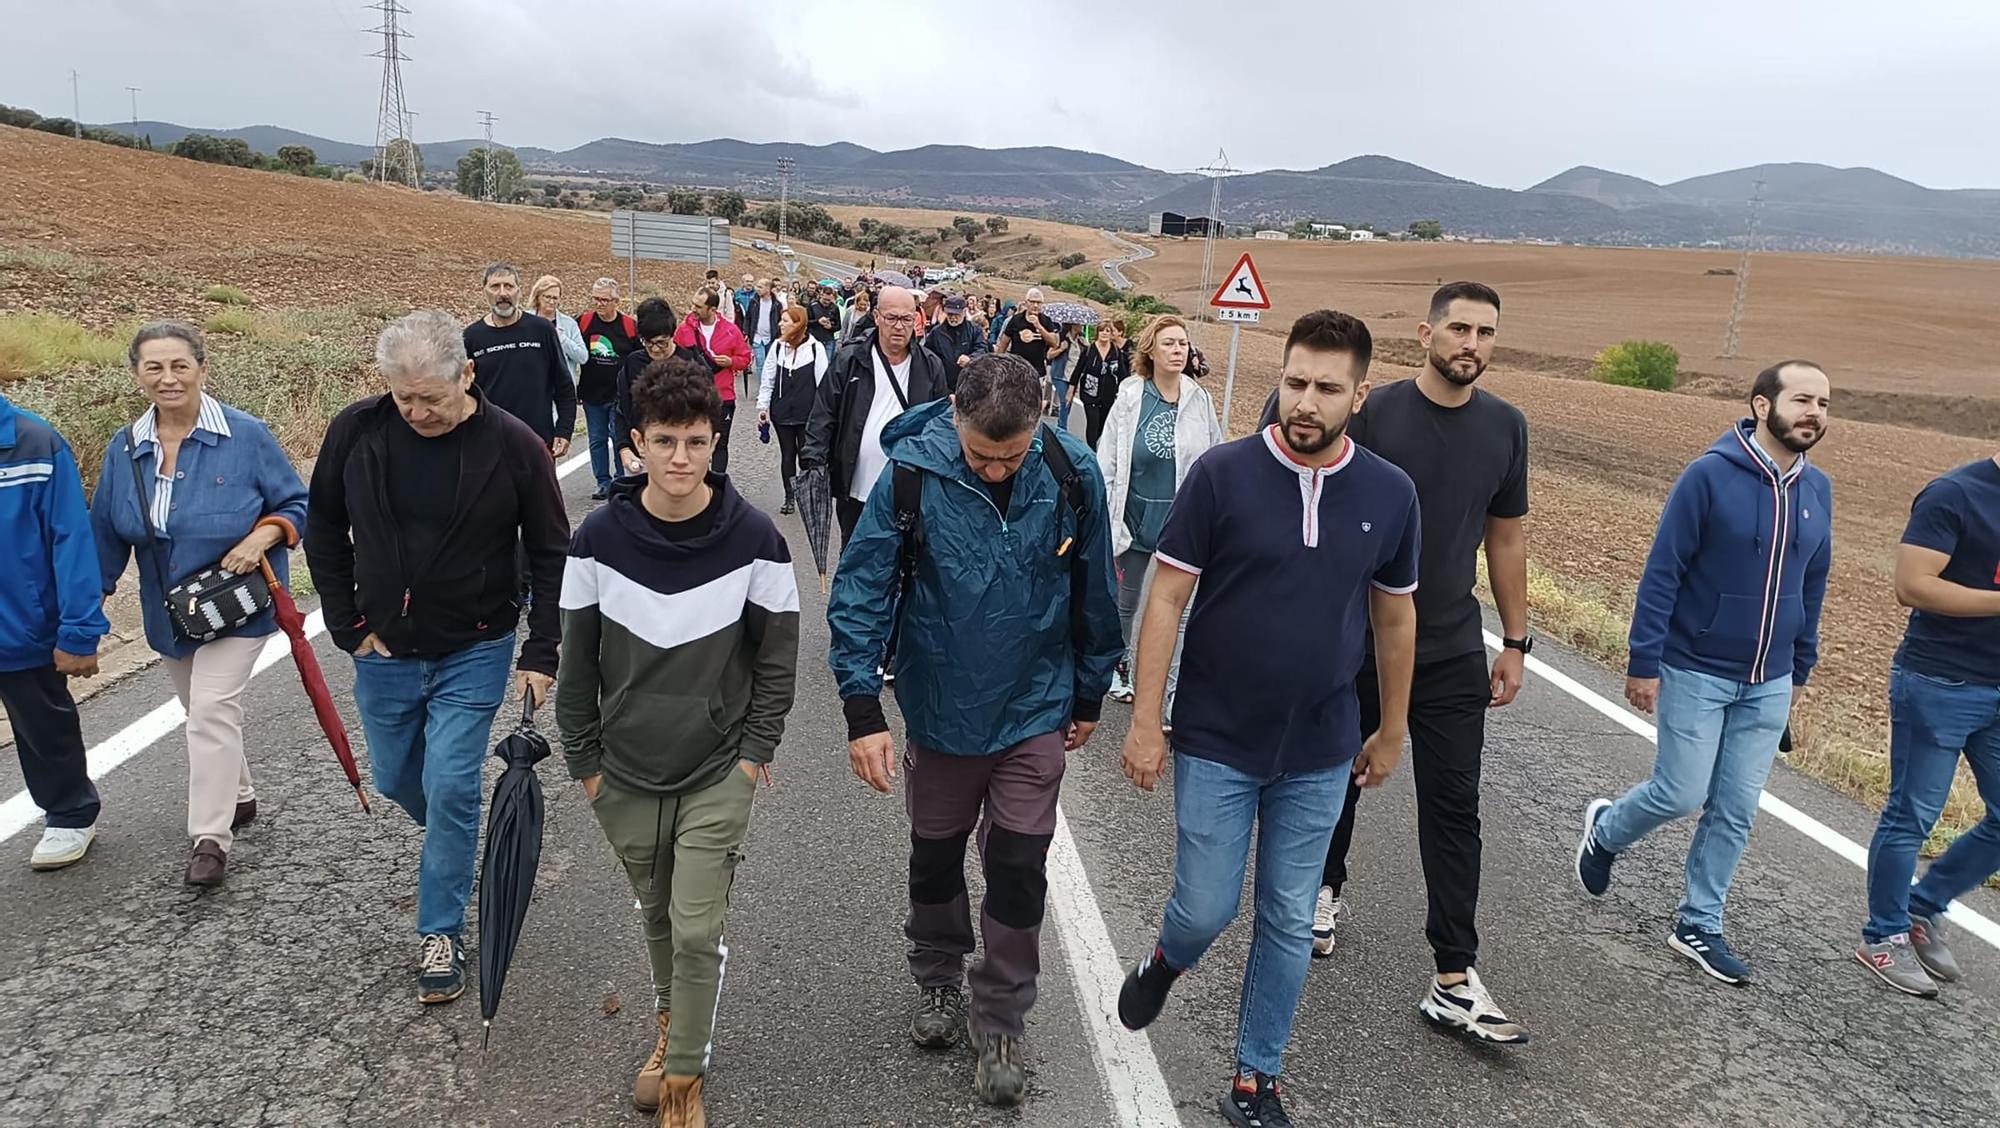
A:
x,y
1932,720
1216,808
597,432
1717,741
753,380
427,721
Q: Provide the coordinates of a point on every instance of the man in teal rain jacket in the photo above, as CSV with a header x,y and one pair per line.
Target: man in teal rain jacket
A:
x,y
1008,639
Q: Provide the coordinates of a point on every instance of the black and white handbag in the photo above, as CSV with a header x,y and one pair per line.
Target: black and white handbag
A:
x,y
212,602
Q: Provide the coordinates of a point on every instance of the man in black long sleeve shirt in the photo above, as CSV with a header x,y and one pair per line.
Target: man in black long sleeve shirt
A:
x,y
518,363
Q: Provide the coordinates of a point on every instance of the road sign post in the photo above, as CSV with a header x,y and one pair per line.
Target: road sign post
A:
x,y
1240,300
667,238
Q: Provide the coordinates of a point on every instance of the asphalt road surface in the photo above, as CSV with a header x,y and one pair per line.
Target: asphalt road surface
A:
x,y
286,997
1134,253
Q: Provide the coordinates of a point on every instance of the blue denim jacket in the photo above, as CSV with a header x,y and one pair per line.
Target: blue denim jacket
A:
x,y
222,486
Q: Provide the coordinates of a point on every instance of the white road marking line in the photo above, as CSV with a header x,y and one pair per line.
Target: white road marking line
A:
x,y
1132,1077
19,811
1839,844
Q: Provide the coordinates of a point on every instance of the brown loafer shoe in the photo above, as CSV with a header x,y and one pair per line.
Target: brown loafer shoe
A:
x,y
246,813
208,865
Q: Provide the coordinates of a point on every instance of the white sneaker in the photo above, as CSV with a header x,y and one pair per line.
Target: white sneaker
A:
x,y
1468,1007
61,846
1326,915
1121,687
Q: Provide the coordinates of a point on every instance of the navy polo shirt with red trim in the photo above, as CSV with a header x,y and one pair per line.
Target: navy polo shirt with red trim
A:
x,y
1286,555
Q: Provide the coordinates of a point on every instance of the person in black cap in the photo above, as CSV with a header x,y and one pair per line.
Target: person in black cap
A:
x,y
956,340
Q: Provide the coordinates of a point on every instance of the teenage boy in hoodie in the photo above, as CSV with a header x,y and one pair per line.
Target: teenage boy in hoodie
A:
x,y
1725,633
680,651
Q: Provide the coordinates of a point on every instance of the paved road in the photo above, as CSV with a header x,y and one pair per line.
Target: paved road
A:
x,y
285,997
1135,254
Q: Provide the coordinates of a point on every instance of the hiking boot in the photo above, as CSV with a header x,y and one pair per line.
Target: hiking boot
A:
x,y
209,865
1145,992
1709,951
1254,1101
1469,1008
1001,1079
246,813
1927,941
646,1087
1895,963
1326,917
1121,686
1593,862
680,1103
61,846
939,1017
441,970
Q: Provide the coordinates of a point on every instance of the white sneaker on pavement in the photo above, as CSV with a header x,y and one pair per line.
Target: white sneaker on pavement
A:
x,y
1326,917
1470,1008
61,846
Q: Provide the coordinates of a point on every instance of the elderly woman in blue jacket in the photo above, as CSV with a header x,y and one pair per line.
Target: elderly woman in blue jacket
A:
x,y
217,490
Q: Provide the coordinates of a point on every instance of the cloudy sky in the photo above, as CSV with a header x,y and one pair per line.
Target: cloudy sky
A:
x,y
1505,92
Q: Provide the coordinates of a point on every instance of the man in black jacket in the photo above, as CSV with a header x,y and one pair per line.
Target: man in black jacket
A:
x,y
873,380
955,340
419,498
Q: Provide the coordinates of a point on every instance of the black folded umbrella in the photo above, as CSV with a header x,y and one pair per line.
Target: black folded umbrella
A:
x,y
513,851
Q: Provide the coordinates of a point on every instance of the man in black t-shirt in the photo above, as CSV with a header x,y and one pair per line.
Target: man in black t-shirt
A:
x,y
1027,335
608,338
518,362
1467,451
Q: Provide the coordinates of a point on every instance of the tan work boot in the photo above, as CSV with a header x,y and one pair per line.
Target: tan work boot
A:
x,y
646,1087
680,1102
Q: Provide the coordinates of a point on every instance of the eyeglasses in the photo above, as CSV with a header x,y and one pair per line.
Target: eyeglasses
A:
x,y
696,445
895,319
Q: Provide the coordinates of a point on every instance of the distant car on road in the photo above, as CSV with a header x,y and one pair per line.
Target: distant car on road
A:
x,y
785,249
760,244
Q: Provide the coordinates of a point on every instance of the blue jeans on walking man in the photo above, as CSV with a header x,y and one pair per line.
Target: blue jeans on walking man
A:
x,y
1216,808
597,431
1932,720
1717,740
428,721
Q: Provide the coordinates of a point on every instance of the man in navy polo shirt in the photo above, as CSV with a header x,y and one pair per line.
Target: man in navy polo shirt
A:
x,y
1302,540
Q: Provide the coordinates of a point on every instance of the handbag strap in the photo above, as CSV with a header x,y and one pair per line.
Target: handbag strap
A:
x,y
151,551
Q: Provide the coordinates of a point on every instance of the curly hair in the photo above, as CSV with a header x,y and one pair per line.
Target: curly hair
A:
x,y
675,392
1142,352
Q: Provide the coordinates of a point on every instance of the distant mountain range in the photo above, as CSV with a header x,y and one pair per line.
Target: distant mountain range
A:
x,y
1805,206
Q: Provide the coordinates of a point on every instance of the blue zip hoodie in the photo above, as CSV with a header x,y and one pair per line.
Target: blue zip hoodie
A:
x,y
49,597
1737,574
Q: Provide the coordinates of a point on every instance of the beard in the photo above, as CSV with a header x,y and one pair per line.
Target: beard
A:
x,y
1788,433
1318,437
505,310
1442,365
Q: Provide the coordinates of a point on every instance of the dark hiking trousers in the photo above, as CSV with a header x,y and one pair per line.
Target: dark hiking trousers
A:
x,y
1448,702
48,735
945,795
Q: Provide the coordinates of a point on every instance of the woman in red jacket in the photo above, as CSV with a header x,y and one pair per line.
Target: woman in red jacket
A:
x,y
722,343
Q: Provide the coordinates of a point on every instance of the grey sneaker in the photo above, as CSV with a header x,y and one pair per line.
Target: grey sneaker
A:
x,y
939,1018
1001,1078
1894,963
61,846
1927,940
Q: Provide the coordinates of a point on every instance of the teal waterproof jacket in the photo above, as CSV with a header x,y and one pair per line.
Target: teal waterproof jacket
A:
x,y
990,653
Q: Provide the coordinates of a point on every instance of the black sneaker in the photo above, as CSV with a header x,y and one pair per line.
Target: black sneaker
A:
x,y
1001,1078
1145,991
600,493
1710,952
1254,1102
441,970
939,1018
1593,862
790,507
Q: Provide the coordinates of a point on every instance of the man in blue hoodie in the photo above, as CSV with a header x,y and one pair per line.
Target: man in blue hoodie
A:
x,y
992,566
1725,633
51,616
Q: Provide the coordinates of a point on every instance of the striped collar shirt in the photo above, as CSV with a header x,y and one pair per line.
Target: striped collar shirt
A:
x,y
146,434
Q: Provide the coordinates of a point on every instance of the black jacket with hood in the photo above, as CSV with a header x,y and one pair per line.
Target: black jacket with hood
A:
x,y
833,434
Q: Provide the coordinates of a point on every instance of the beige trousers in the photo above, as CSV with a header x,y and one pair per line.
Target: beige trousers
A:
x,y
210,685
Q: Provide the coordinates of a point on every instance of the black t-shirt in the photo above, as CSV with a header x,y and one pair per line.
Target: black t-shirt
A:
x,y
1035,352
1002,493
516,369
423,489
609,344
699,525
1959,515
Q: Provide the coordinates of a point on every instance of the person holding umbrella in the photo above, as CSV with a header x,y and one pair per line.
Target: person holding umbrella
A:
x,y
418,501
789,383
680,652
193,485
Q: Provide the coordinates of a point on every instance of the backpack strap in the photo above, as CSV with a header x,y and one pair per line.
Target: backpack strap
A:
x,y
584,323
630,323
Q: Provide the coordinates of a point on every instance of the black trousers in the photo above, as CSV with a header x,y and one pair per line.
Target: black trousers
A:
x,y
1448,702
1093,422
719,461
847,511
48,735
791,436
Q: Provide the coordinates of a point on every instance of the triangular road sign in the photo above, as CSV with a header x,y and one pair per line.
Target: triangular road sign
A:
x,y
1242,289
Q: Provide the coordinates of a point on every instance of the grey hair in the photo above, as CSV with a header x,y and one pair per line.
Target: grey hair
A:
x,y
1000,395
167,331
499,268
603,284
426,345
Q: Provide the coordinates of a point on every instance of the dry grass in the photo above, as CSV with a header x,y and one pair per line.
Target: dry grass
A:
x,y
226,295
231,323
37,344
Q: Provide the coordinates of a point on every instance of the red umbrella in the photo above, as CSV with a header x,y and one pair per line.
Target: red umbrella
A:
x,y
293,623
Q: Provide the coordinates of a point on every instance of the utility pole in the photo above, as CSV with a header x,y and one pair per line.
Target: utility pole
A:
x,y
1730,336
134,92
392,111
486,159
1216,171
784,194
75,107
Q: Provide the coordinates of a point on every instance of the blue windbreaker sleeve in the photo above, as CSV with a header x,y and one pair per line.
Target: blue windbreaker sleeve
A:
x,y
860,611
73,551
1805,651
1102,643
1674,548
113,552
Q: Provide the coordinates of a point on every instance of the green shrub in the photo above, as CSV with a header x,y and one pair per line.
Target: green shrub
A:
x,y
1088,285
1071,260
1148,305
231,323
226,295
40,344
1639,364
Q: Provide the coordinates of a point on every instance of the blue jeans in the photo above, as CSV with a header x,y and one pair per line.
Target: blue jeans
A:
x,y
1717,740
427,721
753,379
1058,373
1215,807
597,431
1931,721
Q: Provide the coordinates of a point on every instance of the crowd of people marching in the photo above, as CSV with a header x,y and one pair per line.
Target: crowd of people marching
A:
x,y
1281,612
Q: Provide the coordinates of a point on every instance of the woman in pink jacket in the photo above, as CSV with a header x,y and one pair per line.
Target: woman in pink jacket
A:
x,y
722,343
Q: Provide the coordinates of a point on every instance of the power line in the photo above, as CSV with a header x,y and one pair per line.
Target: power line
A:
x,y
1729,336
784,194
486,120
134,92
1216,170
392,112
75,107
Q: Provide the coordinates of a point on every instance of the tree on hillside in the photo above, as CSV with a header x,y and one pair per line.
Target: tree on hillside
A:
x,y
113,137
297,158
964,254
18,117
729,205
552,191
403,162
506,171
996,224
1427,229
64,126
684,201
232,151
966,226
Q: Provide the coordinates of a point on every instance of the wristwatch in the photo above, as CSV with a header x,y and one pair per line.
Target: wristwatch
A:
x,y
1525,644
